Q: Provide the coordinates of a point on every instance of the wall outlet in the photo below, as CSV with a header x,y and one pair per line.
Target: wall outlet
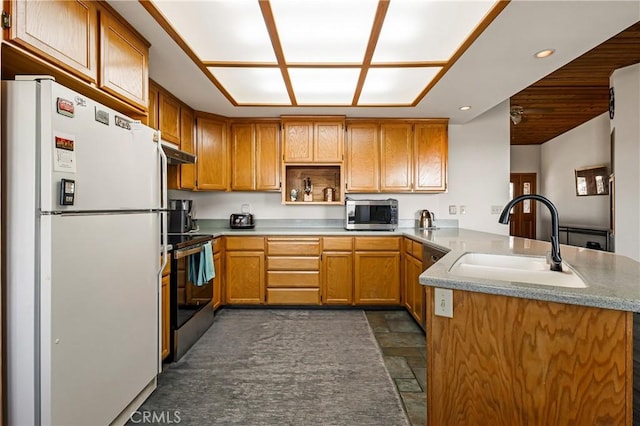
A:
x,y
463,209
496,209
246,208
444,302
453,209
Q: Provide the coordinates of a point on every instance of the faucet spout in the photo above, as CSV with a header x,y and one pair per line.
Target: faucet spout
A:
x,y
556,259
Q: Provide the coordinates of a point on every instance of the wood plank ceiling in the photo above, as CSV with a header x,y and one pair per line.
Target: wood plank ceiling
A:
x,y
575,93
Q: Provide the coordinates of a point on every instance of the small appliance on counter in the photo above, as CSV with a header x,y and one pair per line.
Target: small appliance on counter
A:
x,y
426,219
180,216
371,215
242,221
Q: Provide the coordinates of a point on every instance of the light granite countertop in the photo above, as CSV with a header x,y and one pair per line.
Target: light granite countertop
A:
x,y
613,281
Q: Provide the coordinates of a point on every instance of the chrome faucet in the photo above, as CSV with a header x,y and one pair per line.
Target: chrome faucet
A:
x,y
556,260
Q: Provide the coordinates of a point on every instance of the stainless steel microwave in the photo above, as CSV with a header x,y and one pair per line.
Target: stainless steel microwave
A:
x,y
377,215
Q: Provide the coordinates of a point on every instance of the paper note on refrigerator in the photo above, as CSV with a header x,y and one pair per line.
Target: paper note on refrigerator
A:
x,y
64,159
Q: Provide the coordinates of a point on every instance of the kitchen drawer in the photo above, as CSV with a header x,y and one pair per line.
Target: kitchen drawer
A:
x,y
414,248
337,243
298,263
377,243
298,296
293,247
293,279
245,243
216,245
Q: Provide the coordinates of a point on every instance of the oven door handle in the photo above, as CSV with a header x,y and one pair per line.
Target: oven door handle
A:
x,y
179,254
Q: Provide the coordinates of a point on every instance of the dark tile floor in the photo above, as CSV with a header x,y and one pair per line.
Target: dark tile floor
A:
x,y
403,347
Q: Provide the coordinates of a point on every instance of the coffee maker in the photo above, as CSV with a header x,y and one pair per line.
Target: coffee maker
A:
x,y
180,219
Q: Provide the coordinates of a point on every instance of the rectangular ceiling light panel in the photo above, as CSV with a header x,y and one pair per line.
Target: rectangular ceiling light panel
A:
x,y
253,86
327,31
427,30
221,31
324,86
395,86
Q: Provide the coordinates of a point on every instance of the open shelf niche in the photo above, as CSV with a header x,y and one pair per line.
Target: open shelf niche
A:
x,y
321,175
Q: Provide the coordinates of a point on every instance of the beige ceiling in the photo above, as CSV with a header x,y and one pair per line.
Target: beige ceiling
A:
x,y
325,53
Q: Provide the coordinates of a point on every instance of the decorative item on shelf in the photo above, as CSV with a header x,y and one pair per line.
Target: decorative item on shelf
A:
x,y
294,195
308,190
328,193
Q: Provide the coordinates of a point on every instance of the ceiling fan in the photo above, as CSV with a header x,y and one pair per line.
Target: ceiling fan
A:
x,y
519,113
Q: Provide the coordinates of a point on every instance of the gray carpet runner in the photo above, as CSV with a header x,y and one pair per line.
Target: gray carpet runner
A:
x,y
280,367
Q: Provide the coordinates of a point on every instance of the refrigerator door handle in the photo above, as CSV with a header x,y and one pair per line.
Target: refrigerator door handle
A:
x,y
164,203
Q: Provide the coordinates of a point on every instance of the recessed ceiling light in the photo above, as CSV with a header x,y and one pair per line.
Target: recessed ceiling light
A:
x,y
544,53
465,108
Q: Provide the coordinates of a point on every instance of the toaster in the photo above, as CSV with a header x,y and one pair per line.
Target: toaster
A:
x,y
241,221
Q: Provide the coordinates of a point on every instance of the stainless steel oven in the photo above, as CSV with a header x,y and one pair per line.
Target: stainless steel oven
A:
x,y
191,309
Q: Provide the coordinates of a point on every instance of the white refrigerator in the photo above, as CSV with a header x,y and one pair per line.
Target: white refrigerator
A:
x,y
84,202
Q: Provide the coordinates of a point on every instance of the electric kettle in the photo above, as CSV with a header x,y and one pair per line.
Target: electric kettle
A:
x,y
426,219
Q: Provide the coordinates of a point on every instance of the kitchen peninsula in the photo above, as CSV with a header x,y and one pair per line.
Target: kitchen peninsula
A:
x,y
532,353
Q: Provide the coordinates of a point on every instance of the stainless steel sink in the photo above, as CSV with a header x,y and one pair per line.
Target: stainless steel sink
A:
x,y
515,268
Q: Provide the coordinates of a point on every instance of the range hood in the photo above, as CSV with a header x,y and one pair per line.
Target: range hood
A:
x,y
176,156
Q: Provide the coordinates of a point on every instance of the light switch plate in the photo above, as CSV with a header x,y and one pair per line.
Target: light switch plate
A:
x,y
463,209
496,209
453,209
246,208
443,302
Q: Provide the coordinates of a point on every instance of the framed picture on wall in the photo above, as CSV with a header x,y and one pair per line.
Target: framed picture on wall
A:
x,y
592,181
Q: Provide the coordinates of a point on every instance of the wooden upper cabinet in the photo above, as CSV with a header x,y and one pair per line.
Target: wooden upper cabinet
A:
x,y
307,141
396,165
255,156
363,157
243,157
169,118
152,118
187,143
430,153
297,141
62,32
212,164
124,61
187,125
267,156
328,146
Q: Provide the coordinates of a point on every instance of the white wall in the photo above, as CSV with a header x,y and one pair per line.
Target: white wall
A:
x,y
586,145
525,159
626,122
478,178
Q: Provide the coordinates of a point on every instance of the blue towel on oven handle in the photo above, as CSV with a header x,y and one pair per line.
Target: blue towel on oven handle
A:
x,y
206,270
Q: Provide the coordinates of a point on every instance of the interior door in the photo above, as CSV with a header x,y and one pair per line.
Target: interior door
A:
x,y
523,215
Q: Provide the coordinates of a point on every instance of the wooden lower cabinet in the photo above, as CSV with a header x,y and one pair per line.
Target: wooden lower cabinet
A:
x,y
306,270
293,271
413,291
377,278
244,277
377,271
218,283
337,271
165,314
515,361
